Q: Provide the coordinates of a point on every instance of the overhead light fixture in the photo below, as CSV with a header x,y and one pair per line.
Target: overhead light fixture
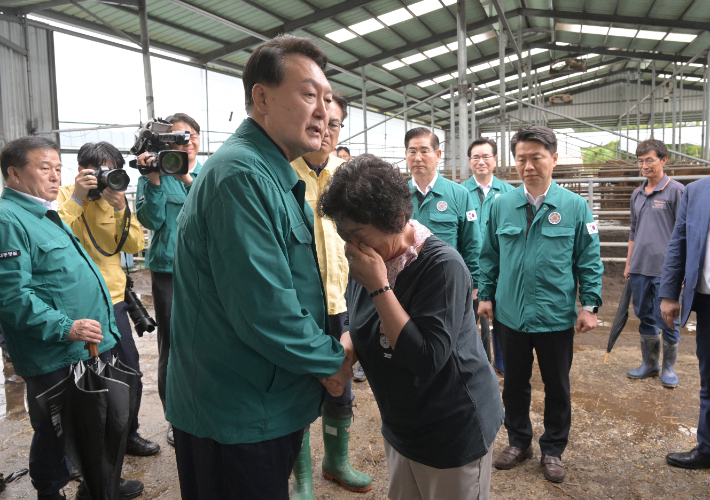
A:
x,y
394,17
393,65
414,58
341,35
365,27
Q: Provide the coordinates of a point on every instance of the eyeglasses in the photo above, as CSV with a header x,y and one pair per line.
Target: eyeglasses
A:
x,y
423,151
649,161
335,126
484,158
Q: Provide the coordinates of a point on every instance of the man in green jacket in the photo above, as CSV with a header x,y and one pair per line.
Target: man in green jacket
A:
x,y
249,336
440,204
541,247
53,299
485,188
159,199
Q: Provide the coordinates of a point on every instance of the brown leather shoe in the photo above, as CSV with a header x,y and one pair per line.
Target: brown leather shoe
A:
x,y
553,469
512,456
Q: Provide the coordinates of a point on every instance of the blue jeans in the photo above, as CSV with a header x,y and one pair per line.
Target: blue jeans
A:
x,y
647,307
701,306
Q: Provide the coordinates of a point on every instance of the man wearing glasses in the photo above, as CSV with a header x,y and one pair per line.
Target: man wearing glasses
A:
x,y
441,205
316,169
654,208
485,188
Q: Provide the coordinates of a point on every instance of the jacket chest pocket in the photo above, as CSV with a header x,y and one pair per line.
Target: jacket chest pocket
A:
x,y
445,224
557,244
50,267
507,235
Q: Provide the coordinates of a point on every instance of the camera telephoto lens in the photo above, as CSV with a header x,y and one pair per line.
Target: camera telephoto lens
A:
x,y
117,180
140,317
171,163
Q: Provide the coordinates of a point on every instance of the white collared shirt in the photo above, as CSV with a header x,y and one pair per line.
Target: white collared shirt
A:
x,y
485,189
537,201
49,205
704,277
429,187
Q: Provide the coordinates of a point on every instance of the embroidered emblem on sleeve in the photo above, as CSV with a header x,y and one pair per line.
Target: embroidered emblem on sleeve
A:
x,y
592,228
11,253
471,216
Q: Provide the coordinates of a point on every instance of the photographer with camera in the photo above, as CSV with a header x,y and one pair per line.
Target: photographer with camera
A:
x,y
159,200
97,215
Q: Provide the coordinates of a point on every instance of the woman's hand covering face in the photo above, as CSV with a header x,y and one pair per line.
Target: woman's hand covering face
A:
x,y
366,267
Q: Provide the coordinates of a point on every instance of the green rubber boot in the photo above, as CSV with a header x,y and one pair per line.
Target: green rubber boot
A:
x,y
302,476
336,434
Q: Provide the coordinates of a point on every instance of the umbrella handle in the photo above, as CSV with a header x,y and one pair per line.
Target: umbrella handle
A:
x,y
92,348
606,357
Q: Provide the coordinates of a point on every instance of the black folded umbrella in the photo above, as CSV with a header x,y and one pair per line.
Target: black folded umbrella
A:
x,y
91,410
622,316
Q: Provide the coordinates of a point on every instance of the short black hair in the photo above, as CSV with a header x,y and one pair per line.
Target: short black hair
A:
x,y
368,190
14,153
343,148
342,103
649,145
483,140
419,132
184,118
96,154
266,63
537,133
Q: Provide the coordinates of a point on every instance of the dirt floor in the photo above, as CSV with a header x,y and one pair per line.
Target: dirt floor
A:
x,y
621,428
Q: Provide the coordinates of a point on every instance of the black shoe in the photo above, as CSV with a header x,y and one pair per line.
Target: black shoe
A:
x,y
169,436
688,460
141,447
359,373
127,489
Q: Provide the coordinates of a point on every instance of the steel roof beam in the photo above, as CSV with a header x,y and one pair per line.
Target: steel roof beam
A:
x,y
511,38
39,6
610,52
607,18
301,22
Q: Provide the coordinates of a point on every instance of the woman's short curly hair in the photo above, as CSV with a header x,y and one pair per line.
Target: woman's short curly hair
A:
x,y
368,190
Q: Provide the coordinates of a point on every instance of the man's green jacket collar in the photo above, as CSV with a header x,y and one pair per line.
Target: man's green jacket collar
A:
x,y
552,199
31,206
275,159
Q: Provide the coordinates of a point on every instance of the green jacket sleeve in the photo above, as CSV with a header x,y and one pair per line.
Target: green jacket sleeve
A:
x,y
469,238
490,259
19,305
588,267
150,204
249,257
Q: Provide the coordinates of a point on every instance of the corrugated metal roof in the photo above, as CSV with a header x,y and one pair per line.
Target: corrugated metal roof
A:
x,y
411,34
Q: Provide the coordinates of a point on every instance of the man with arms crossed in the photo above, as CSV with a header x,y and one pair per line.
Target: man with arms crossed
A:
x,y
249,327
541,241
485,188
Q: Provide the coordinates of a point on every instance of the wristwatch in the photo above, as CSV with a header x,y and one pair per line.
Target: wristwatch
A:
x,y
591,309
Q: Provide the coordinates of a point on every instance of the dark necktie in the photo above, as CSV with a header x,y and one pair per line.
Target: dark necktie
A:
x,y
531,216
421,197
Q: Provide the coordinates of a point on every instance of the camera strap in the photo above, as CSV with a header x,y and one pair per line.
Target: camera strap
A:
x,y
124,235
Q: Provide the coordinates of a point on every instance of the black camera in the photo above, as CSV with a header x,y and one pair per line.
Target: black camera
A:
x,y
136,310
155,137
114,178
